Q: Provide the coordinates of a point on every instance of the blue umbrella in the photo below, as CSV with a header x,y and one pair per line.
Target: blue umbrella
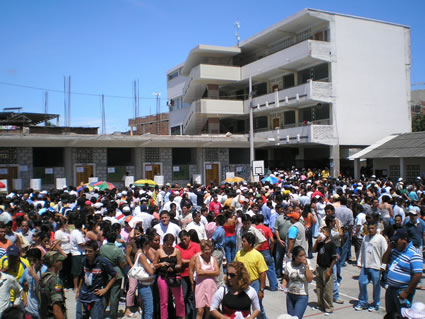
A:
x,y
270,179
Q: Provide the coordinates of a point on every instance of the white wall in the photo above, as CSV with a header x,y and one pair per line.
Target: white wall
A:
x,y
177,116
371,80
175,87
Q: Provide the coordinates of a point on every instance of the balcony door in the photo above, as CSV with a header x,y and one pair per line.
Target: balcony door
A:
x,y
212,173
276,123
152,170
83,172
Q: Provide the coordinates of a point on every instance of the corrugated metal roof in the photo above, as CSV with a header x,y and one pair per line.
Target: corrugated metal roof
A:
x,y
402,146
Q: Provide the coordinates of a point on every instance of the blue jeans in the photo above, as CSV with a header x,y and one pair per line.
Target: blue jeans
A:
x,y
145,292
367,275
343,252
296,305
94,310
280,253
336,288
256,285
230,248
271,272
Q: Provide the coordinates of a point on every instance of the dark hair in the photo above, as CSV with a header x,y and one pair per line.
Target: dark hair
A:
x,y
14,312
111,236
250,238
196,213
34,253
164,212
168,237
42,235
330,207
296,251
306,210
183,233
246,218
259,218
220,220
193,234
143,240
92,244
210,217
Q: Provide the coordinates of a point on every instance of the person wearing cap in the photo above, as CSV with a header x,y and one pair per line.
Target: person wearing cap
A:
x,y
4,242
52,296
12,263
415,229
404,271
296,233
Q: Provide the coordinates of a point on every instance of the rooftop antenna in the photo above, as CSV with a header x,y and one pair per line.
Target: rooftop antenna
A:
x,y
238,27
46,105
158,110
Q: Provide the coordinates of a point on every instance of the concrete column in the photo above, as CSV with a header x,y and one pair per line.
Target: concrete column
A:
x,y
138,163
68,166
357,168
297,117
402,171
335,161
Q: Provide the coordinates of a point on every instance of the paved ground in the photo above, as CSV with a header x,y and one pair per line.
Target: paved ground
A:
x,y
275,304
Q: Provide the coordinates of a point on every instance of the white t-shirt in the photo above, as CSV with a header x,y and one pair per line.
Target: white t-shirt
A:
x,y
65,240
77,239
297,283
171,228
360,221
222,291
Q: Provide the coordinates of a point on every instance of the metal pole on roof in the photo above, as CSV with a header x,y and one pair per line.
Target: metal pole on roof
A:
x,y
65,107
46,105
69,101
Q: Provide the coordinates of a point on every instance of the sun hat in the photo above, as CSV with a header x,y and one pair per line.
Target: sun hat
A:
x,y
417,311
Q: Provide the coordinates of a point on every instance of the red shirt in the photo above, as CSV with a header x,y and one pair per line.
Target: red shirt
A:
x,y
215,207
188,253
266,233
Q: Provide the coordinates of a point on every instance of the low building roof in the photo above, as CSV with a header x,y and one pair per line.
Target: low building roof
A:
x,y
408,145
25,119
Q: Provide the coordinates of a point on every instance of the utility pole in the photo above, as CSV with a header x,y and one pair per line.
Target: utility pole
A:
x,y
46,105
69,101
251,132
158,110
103,116
65,107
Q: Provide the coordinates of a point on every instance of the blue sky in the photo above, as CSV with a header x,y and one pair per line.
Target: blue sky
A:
x,y
106,44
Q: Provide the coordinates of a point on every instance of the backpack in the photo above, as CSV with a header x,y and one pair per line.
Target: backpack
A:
x,y
43,294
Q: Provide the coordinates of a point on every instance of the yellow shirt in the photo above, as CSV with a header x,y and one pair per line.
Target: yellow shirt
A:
x,y
24,264
253,261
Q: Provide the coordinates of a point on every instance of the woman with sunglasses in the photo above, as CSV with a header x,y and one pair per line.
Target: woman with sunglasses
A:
x,y
236,296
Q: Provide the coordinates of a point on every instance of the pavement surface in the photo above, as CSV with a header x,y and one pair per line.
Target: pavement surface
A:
x,y
275,302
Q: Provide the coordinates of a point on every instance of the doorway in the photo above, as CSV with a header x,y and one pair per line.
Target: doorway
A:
x,y
9,173
212,173
83,172
152,170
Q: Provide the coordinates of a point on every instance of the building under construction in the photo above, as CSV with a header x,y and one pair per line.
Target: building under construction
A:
x,y
151,124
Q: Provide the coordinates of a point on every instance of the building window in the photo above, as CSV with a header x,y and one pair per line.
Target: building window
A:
x,y
289,117
152,155
119,156
412,171
47,157
211,154
8,155
84,155
173,75
394,172
260,122
238,156
316,73
288,81
303,35
175,130
183,156
259,89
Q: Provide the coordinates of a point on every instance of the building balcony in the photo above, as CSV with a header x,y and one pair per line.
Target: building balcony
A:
x,y
301,95
203,109
204,74
292,58
315,133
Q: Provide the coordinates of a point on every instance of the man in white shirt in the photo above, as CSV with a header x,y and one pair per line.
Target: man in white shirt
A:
x,y
165,227
78,244
7,284
370,262
197,225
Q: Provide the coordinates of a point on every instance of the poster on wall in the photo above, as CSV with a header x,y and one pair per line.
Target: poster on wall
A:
x,y
93,179
148,168
3,185
111,170
176,168
208,166
80,169
159,179
23,168
4,171
128,181
230,174
60,183
197,179
48,171
239,169
35,184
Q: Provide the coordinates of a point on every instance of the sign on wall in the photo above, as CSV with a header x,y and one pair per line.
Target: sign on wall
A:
x,y
60,183
35,184
128,181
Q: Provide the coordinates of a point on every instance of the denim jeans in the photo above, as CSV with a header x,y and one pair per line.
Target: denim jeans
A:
x,y
93,310
230,248
296,304
189,298
367,275
280,253
342,253
145,292
256,285
336,288
271,272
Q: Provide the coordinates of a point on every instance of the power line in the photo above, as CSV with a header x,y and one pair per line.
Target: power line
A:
x,y
73,93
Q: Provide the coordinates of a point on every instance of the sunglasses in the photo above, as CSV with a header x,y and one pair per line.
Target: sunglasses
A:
x,y
231,275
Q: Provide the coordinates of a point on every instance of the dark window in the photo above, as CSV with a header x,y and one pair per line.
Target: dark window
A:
x,y
119,156
305,115
184,156
260,122
288,81
316,73
238,155
289,117
321,112
175,130
48,157
259,89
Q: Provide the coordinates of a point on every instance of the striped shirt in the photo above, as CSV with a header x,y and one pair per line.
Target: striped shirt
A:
x,y
403,265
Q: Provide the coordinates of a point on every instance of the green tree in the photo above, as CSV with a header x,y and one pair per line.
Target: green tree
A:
x,y
418,122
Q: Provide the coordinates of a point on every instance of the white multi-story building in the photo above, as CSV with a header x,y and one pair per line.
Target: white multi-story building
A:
x,y
323,85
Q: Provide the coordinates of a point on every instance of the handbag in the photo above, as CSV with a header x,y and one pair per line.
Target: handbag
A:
x,y
137,271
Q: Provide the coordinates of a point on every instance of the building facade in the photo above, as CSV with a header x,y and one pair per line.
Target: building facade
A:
x,y
324,85
151,124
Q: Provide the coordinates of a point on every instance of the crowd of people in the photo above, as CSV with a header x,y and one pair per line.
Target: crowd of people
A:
x,y
211,251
